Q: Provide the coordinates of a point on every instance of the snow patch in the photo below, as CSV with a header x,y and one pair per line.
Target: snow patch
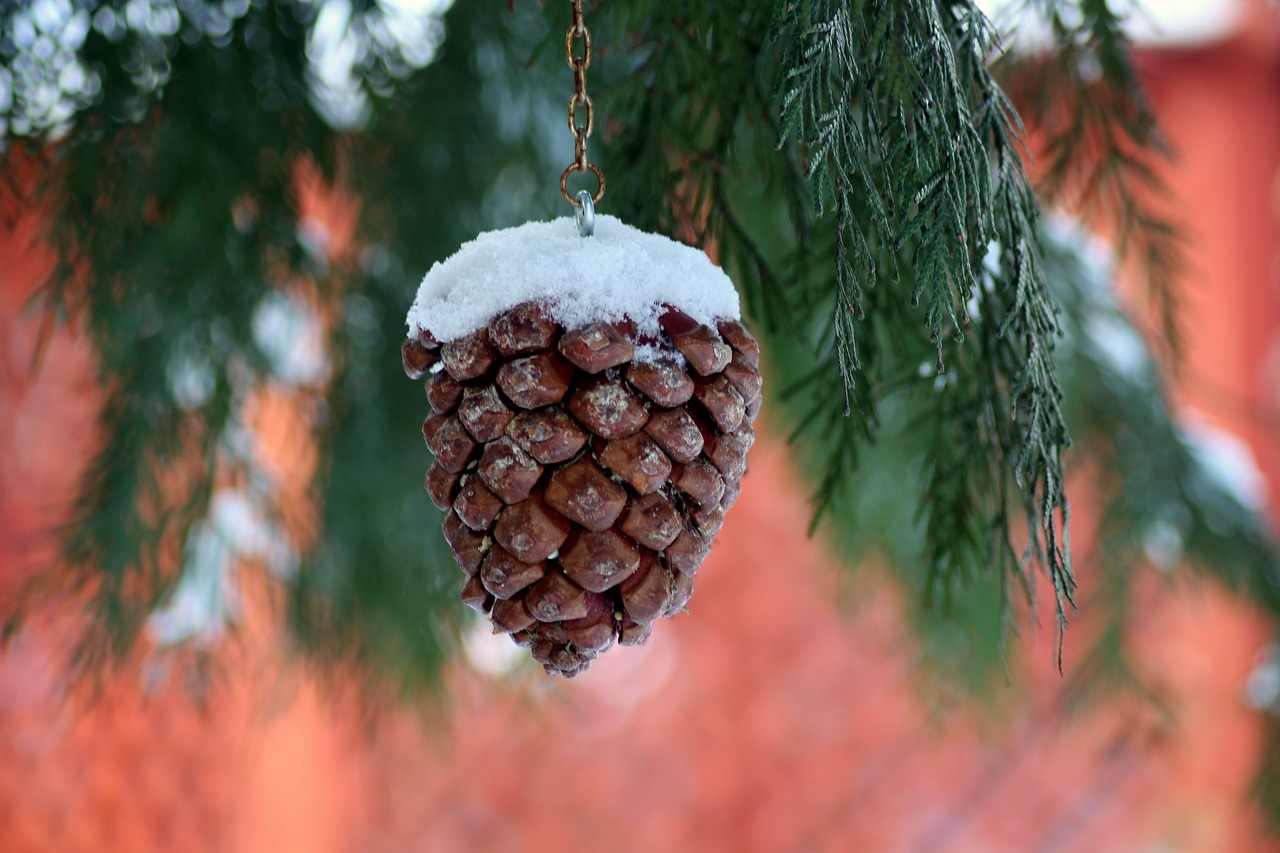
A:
x,y
1166,23
206,597
649,354
1163,544
1227,459
489,653
1119,343
619,273
291,336
1262,690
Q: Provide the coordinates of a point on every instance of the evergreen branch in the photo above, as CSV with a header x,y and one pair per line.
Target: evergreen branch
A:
x,y
894,101
162,317
1101,143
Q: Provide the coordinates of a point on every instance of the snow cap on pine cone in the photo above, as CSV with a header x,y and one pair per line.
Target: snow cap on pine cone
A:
x,y
619,273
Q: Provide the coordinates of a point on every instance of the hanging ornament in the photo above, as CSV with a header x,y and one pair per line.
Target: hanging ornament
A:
x,y
592,396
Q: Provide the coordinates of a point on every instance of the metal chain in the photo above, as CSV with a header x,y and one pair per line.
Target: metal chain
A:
x,y
580,63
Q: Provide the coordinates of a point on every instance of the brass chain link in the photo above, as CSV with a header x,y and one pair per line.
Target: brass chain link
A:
x,y
580,63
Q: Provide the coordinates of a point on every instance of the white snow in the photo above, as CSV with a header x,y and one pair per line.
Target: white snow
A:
x,y
1118,342
206,597
649,353
1262,690
1158,23
1226,458
1178,23
619,272
1112,336
342,37
291,336
1163,544
491,654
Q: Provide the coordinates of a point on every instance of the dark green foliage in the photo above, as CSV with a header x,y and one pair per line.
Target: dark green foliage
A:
x,y
146,202
176,190
915,192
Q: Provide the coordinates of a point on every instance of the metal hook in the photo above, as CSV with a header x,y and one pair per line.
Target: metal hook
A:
x,y
585,215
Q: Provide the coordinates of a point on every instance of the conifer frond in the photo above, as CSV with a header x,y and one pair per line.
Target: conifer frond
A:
x,y
895,102
1102,140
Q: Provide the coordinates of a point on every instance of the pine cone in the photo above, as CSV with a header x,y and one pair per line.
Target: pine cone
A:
x,y
582,488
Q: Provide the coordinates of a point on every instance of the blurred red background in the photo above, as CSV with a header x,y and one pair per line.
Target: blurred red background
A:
x,y
786,713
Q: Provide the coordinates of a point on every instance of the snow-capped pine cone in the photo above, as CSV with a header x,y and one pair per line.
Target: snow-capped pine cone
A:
x,y
583,489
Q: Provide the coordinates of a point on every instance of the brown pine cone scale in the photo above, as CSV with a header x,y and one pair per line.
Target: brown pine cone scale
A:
x,y
583,488
443,393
